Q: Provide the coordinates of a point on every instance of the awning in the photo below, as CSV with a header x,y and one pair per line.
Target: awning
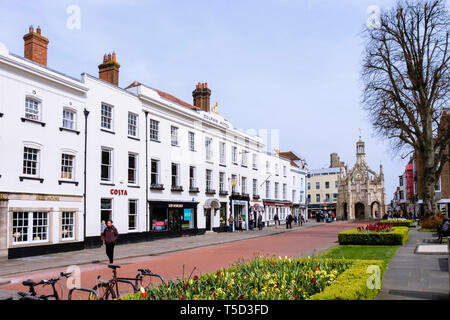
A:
x,y
212,204
257,205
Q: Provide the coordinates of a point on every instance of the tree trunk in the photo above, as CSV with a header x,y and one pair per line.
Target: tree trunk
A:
x,y
429,173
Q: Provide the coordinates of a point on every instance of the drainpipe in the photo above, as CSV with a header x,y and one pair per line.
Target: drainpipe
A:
x,y
86,114
146,172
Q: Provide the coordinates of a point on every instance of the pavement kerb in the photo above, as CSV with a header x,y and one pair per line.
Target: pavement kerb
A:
x,y
164,252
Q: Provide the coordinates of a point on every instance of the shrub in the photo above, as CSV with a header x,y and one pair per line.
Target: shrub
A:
x,y
398,223
432,222
352,283
397,236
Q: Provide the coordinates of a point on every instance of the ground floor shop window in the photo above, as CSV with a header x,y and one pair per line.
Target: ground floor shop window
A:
x,y
159,218
67,225
30,227
188,219
172,217
132,215
106,209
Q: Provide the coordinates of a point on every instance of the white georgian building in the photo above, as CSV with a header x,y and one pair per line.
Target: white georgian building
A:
x,y
154,164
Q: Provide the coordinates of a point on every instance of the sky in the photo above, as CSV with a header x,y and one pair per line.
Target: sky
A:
x,y
287,65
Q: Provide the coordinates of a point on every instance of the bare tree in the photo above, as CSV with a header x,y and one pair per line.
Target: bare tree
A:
x,y
406,84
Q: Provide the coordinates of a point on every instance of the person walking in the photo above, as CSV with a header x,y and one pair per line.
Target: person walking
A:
x,y
290,219
276,219
230,223
240,222
260,223
110,234
302,219
251,221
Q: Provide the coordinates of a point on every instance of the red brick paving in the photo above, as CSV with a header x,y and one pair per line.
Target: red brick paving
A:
x,y
205,260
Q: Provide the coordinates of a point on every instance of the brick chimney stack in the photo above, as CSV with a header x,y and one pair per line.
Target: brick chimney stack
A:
x,y
36,46
202,97
109,69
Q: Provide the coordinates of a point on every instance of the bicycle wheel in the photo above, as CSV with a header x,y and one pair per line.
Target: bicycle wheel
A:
x,y
104,292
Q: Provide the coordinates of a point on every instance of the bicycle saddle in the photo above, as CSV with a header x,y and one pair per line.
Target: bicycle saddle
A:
x,y
113,266
29,283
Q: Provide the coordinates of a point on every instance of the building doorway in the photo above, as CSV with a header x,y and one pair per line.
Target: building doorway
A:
x,y
359,211
208,219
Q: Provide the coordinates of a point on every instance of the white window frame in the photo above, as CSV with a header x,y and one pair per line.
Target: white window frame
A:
x,y
135,170
234,152
110,165
223,154
209,179
30,111
107,117
72,121
154,130
133,124
174,136
37,161
222,179
71,228
267,189
63,166
136,215
208,148
244,185
177,174
30,227
255,161
158,171
192,177
255,187
191,138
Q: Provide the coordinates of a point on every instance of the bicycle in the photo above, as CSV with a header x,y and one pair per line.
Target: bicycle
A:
x,y
32,294
109,289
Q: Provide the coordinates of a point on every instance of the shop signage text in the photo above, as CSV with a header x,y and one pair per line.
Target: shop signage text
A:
x,y
216,121
171,205
47,198
117,192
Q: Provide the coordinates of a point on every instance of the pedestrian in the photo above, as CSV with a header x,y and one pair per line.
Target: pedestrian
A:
x,y
302,220
260,223
251,223
110,234
296,220
289,221
102,228
276,219
240,222
230,223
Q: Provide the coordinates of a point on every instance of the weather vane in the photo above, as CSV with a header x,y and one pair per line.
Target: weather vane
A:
x,y
360,131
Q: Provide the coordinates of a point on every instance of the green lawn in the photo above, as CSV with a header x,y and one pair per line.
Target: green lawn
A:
x,y
385,253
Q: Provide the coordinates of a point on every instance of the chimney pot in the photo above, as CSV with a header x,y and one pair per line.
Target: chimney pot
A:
x,y
35,46
109,71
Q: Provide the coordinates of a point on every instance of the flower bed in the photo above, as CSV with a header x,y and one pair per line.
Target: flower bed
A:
x,y
398,223
397,236
261,279
378,227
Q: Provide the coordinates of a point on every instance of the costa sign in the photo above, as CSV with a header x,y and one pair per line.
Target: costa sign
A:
x,y
118,192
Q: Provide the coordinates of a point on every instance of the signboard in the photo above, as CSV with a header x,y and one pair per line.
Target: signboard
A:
x,y
187,214
171,205
117,192
160,223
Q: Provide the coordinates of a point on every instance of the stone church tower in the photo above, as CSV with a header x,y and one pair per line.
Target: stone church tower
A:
x,y
361,192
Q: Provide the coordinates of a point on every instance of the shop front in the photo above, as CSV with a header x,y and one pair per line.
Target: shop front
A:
x,y
280,208
173,218
210,209
240,208
256,208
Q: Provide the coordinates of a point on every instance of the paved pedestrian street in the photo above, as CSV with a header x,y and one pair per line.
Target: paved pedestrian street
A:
x,y
206,254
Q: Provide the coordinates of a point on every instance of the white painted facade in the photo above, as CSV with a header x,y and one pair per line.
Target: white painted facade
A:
x,y
50,191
